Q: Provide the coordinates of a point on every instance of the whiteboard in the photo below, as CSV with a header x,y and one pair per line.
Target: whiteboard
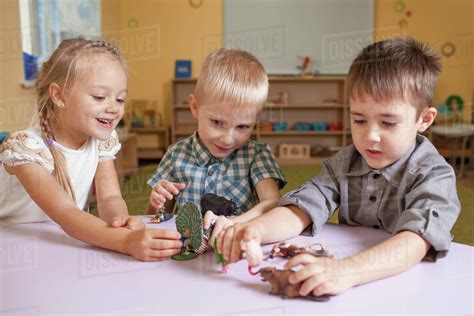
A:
x,y
282,32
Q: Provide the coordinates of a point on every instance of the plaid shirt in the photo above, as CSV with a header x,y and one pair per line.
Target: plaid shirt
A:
x,y
235,177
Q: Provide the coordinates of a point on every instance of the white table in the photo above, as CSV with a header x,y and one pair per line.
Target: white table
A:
x,y
44,271
456,132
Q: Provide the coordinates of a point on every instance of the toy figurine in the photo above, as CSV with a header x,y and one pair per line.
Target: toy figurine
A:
x,y
218,205
281,286
161,216
189,225
285,250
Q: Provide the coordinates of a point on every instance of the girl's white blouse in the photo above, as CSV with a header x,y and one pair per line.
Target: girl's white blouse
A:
x,y
28,146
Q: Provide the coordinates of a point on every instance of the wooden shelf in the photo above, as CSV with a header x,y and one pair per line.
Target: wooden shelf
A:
x,y
305,101
151,153
148,129
301,133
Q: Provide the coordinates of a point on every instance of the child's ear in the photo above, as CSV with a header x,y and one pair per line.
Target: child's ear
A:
x,y
56,94
427,118
193,105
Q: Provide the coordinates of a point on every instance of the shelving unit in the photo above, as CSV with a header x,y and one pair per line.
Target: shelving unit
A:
x,y
307,100
152,142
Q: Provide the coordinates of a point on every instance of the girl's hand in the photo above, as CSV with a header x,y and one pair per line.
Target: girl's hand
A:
x,y
164,190
220,223
153,244
231,241
131,222
321,276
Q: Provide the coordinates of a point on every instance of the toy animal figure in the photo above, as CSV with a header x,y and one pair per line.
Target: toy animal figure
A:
x,y
281,286
285,250
218,205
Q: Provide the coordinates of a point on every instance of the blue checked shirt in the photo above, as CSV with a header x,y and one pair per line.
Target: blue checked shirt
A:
x,y
234,177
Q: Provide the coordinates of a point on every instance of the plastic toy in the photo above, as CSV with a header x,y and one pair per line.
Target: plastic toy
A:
x,y
189,225
320,126
285,250
278,279
302,126
280,126
161,216
218,205
294,151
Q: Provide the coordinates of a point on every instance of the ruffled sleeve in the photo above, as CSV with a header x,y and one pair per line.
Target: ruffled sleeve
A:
x,y
109,148
26,147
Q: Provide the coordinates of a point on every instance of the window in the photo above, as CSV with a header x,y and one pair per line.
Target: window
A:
x,y
45,23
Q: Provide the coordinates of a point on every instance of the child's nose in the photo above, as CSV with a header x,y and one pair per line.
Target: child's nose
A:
x,y
373,134
228,137
112,107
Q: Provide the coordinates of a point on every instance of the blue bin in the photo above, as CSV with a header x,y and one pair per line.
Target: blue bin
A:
x,y
280,126
302,126
30,66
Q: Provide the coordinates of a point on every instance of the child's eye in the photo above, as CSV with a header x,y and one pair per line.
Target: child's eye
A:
x,y
243,127
98,98
389,124
216,122
121,101
359,122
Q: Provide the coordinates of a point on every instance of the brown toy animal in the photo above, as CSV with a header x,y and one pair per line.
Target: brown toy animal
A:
x,y
280,284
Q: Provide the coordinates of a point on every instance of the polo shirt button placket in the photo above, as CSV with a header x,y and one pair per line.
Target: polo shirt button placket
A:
x,y
210,173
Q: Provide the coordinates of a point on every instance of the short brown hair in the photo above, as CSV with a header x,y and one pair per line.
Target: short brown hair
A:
x,y
232,75
398,68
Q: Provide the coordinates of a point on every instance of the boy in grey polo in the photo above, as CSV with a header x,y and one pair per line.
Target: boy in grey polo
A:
x,y
391,178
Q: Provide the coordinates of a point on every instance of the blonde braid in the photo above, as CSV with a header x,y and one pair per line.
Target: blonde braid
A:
x,y
60,166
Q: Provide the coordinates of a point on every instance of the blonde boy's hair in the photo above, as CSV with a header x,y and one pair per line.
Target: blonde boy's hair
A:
x,y
232,75
395,69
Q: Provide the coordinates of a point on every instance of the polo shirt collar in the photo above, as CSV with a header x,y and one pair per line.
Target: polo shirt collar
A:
x,y
203,156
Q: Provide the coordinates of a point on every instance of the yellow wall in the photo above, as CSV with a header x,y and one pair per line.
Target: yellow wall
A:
x,y
437,22
16,103
153,34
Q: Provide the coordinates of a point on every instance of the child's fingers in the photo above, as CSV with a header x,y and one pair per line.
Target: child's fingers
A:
x,y
156,200
226,237
220,224
303,259
180,186
163,192
135,223
314,271
164,234
118,221
164,254
162,244
209,219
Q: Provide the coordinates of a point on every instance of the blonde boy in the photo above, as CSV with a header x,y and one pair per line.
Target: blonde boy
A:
x,y
391,178
219,157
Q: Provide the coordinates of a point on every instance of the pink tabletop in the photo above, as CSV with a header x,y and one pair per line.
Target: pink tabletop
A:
x,y
44,271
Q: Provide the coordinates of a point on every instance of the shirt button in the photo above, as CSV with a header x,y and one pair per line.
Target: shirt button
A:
x,y
372,198
376,176
210,173
376,226
435,214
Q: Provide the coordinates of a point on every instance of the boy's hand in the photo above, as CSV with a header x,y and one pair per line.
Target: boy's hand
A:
x,y
220,223
321,276
231,241
131,222
164,190
153,244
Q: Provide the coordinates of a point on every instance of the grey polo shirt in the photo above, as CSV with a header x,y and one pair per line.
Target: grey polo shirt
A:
x,y
416,193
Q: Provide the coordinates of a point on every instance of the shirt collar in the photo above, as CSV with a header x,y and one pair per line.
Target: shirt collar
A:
x,y
392,173
203,156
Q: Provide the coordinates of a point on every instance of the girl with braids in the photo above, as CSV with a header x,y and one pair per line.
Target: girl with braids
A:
x,y
49,169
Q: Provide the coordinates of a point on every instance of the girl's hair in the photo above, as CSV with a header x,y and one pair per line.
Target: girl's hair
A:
x,y
232,75
63,68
